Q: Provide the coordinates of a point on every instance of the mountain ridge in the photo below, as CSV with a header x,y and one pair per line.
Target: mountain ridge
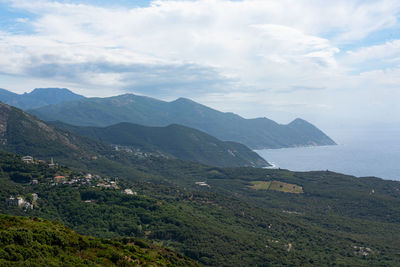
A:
x,y
38,97
20,132
257,133
38,242
176,140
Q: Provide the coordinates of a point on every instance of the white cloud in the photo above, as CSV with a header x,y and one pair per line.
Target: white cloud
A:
x,y
389,52
204,49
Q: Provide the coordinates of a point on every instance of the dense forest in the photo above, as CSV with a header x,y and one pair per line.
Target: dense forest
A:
x,y
334,218
216,216
37,242
174,141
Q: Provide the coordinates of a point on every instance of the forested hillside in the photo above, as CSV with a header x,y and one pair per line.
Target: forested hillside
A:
x,y
176,141
254,133
37,242
218,216
333,218
23,133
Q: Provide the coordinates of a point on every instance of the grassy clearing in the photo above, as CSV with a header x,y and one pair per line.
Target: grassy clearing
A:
x,y
260,185
277,186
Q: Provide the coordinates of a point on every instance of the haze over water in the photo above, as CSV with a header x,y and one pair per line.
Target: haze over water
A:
x,y
361,152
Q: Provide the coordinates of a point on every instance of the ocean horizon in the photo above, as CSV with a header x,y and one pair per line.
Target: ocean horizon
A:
x,y
362,153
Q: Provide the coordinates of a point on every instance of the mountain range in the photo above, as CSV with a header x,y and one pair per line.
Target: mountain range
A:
x,y
217,216
255,133
174,140
39,97
23,133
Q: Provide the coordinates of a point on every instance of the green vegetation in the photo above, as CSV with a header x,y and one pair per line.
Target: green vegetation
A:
x,y
174,140
37,242
22,133
254,133
260,185
227,224
26,135
277,186
206,213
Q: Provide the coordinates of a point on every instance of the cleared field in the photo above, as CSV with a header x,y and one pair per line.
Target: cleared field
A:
x,y
277,186
260,185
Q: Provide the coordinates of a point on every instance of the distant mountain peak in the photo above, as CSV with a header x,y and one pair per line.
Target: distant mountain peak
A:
x,y
39,89
53,90
125,95
256,133
298,121
38,97
186,102
183,99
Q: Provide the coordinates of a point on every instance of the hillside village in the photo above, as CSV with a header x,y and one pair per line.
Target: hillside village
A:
x,y
63,176
137,152
21,202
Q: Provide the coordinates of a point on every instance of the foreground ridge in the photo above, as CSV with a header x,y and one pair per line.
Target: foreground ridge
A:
x,y
34,242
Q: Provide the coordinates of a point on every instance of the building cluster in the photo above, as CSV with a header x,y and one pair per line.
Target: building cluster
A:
x,y
31,160
28,159
202,184
364,251
137,152
129,192
108,184
81,179
87,179
21,202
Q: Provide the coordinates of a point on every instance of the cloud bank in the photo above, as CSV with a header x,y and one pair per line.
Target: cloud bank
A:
x,y
259,58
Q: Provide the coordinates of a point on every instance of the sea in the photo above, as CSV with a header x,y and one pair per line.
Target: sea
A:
x,y
360,152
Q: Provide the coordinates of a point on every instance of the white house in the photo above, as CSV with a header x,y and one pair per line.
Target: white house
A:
x,y
27,159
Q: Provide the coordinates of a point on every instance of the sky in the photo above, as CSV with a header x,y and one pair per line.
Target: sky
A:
x,y
334,63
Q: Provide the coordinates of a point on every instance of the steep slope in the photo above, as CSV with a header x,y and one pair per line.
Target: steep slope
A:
x,y
256,133
23,133
7,96
39,97
36,242
178,141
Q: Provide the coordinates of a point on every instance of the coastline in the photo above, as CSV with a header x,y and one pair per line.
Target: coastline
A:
x,y
360,158
273,166
295,146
